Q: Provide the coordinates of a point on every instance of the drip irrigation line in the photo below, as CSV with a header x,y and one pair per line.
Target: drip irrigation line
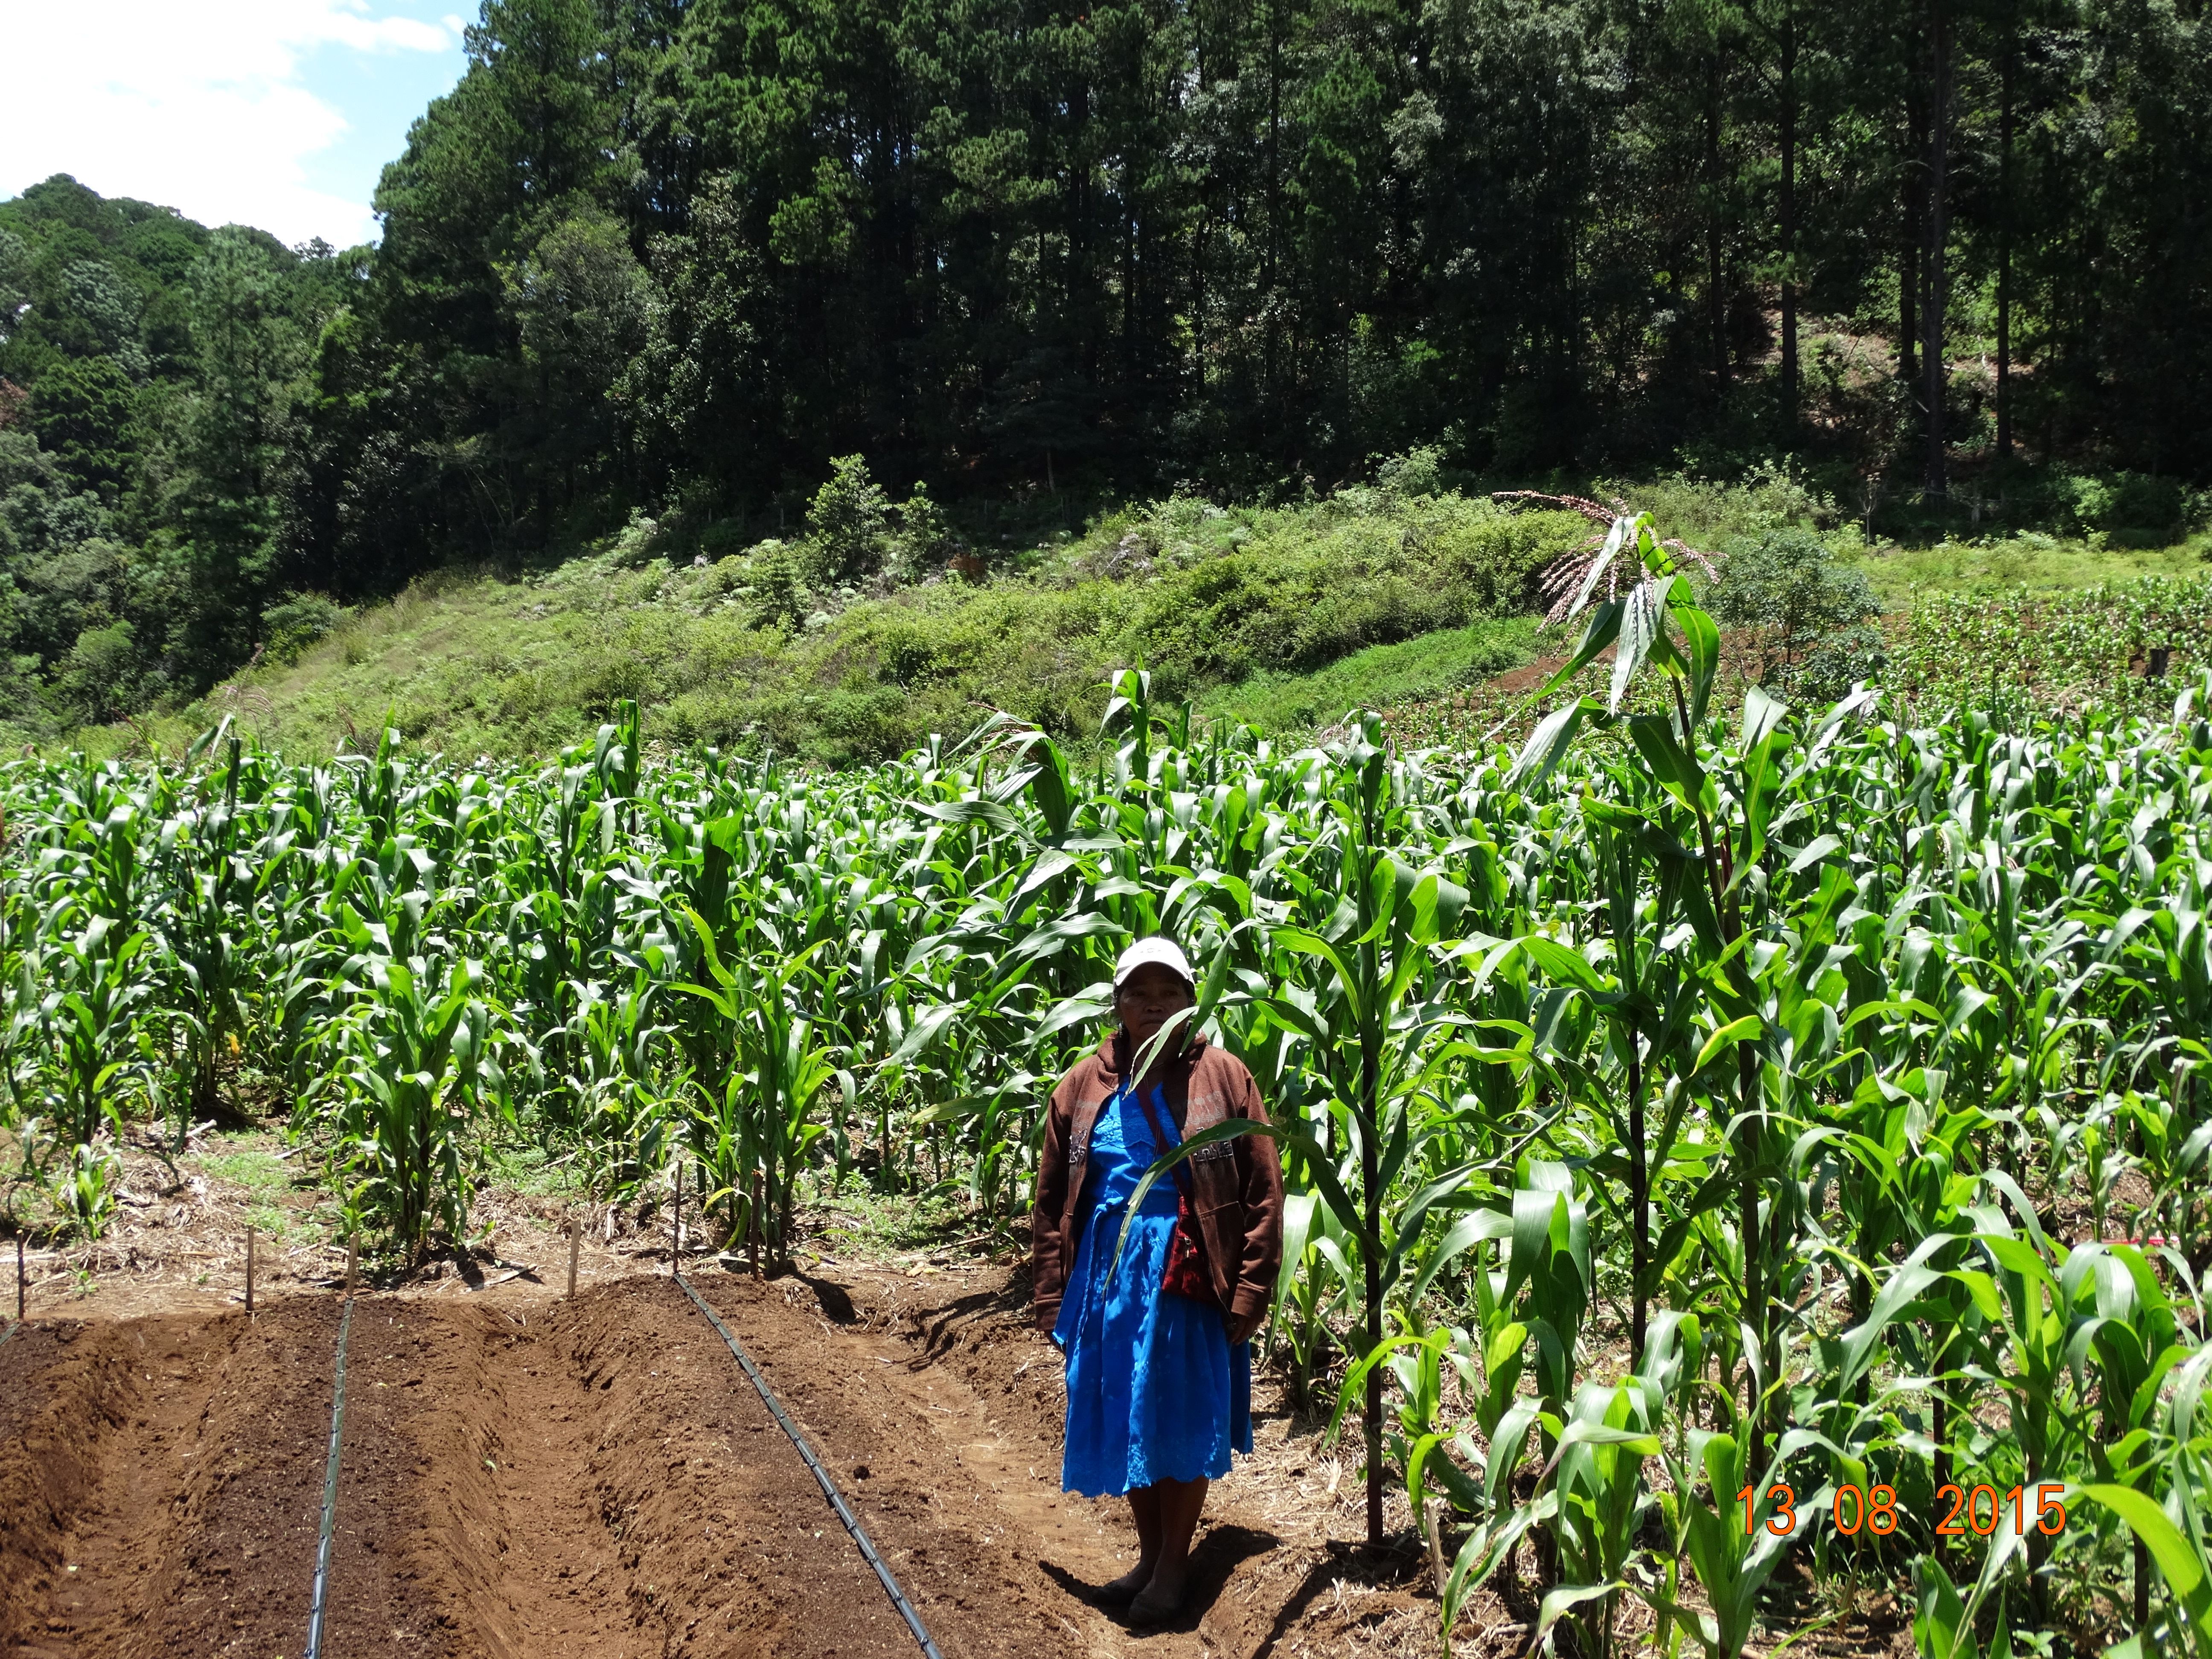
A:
x,y
329,1496
821,1475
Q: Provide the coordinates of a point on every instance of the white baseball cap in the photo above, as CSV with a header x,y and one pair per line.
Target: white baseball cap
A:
x,y
1159,949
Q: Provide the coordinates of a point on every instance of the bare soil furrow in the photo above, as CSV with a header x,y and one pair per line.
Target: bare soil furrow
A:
x,y
524,1475
173,1479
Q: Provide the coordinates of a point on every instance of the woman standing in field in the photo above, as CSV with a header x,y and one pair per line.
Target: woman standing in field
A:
x,y
1159,1371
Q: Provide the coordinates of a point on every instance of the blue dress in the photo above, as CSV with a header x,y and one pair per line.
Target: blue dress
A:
x,y
1154,1390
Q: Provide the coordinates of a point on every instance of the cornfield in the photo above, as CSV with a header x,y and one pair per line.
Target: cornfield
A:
x,y
1713,1140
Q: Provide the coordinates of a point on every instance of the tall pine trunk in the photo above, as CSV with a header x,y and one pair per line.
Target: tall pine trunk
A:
x,y
1789,137
1274,181
1716,290
1913,232
1939,129
2004,250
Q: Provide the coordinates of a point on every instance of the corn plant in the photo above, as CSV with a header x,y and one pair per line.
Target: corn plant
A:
x,y
1689,1102
415,1075
751,1134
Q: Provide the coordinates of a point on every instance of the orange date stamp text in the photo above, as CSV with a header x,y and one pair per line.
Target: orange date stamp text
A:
x,y
1981,1510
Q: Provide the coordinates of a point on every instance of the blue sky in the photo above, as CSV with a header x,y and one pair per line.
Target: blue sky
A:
x,y
278,114
379,94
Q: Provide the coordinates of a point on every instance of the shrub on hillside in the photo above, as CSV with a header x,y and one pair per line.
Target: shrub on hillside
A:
x,y
1813,619
1290,588
1418,471
923,540
1769,496
98,679
857,538
777,585
298,621
2130,505
847,525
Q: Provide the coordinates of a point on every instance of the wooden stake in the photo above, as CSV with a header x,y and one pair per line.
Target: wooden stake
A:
x,y
676,1242
353,1261
575,1238
20,1286
249,1271
1435,1549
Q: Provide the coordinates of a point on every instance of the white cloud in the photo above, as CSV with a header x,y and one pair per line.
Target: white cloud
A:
x,y
198,105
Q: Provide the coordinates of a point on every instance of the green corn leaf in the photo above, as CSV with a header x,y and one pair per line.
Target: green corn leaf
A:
x,y
986,812
1461,1237
1565,966
1742,1029
2180,1559
1558,1603
1094,1002
928,1026
1902,1286
1672,765
1548,744
1942,1628
1306,943
1701,642
1819,848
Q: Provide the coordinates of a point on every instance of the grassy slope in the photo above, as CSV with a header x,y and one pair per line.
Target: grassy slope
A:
x,y
1285,616
1429,667
1231,608
2039,563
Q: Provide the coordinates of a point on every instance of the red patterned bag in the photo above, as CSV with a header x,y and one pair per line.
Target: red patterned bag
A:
x,y
1185,1273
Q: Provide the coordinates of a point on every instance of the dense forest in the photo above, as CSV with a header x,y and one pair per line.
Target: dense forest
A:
x,y
675,255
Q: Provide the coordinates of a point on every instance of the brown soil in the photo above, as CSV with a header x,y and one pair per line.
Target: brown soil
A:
x,y
526,1474
158,1470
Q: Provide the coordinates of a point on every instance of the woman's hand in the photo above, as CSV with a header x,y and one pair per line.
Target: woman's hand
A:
x,y
1243,1330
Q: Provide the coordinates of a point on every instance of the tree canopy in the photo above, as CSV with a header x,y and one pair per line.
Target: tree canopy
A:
x,y
679,254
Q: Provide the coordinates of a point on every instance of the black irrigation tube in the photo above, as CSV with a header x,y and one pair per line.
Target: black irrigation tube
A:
x,y
317,1608
821,1475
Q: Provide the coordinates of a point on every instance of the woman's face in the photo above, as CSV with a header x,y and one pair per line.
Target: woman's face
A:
x,y
1149,998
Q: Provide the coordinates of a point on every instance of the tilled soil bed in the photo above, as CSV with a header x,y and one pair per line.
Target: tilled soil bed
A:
x,y
529,1475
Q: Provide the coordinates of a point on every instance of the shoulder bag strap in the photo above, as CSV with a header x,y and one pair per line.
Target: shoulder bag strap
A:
x,y
1179,1176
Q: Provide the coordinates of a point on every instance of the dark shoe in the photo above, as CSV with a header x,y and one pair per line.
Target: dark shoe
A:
x,y
1121,1591
1155,1607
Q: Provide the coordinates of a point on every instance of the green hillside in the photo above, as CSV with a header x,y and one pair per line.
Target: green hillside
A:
x,y
870,628
675,260
843,652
